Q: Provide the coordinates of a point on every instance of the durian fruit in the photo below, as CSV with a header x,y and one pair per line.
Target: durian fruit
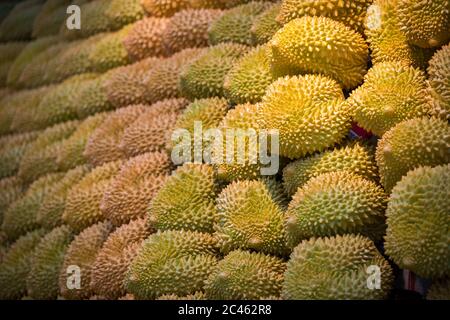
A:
x,y
126,85
418,223
308,111
21,215
18,25
11,189
266,25
391,93
71,150
53,203
81,253
152,129
250,219
425,23
204,77
439,79
235,24
244,275
102,145
356,157
82,208
349,12
40,156
146,38
439,290
139,179
164,8
162,81
249,78
46,262
189,29
195,296
386,40
336,203
186,201
8,53
109,270
411,144
16,265
172,262
322,46
347,267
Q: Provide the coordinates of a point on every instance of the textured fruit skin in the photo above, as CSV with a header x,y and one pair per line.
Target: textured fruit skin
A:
x,y
308,111
195,296
425,23
8,53
164,8
336,203
172,262
82,207
112,261
249,78
18,24
82,252
319,45
391,93
15,265
132,189
205,76
335,268
235,24
250,219
355,157
266,25
418,222
439,290
439,79
386,40
411,144
186,201
11,189
244,275
349,12
46,263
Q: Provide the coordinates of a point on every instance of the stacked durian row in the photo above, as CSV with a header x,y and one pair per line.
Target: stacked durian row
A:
x,y
89,190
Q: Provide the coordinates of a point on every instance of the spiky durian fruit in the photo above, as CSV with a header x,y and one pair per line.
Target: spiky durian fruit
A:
x,y
189,29
355,157
336,203
249,78
16,265
152,129
425,23
18,25
186,201
191,260
439,290
11,189
82,207
162,81
266,25
50,17
248,218
337,268
235,24
164,8
411,144
71,150
195,296
40,156
21,215
205,77
92,97
418,223
103,143
125,85
386,40
8,53
350,12
391,93
82,252
112,261
319,45
439,79
53,203
130,192
308,111
244,275
46,262
146,38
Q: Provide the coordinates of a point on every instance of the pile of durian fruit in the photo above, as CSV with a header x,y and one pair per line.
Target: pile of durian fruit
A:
x,y
88,186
